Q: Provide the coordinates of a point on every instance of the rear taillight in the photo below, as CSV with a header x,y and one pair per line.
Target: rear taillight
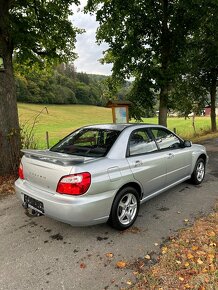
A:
x,y
74,184
20,171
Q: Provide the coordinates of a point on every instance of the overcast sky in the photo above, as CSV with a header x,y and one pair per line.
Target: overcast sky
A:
x,y
88,51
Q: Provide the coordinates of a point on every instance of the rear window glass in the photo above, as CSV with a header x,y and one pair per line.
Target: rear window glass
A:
x,y
87,142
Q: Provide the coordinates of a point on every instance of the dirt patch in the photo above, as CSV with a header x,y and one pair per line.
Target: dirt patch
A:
x,y
57,237
7,185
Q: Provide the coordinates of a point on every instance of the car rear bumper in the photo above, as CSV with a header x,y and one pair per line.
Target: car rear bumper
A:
x,y
74,210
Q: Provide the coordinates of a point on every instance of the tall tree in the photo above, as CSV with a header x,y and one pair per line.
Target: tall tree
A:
x,y
200,63
205,60
35,31
147,40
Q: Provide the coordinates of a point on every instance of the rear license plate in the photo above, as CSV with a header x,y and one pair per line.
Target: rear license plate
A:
x,y
36,204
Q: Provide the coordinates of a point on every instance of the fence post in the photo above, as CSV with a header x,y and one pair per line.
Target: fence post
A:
x,y
47,139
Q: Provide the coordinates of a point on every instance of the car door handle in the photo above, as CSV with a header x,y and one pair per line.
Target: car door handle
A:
x,y
138,163
170,156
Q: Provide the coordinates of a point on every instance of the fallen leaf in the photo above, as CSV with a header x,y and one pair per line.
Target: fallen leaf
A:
x,y
82,266
187,286
181,278
190,256
129,282
201,253
199,261
212,244
207,280
210,257
186,264
155,271
121,264
194,248
178,262
211,234
133,230
212,268
147,257
164,250
109,255
145,280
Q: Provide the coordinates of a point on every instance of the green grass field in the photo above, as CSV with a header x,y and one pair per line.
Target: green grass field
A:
x,y
63,119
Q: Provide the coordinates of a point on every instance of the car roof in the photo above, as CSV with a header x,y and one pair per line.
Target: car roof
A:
x,y
120,127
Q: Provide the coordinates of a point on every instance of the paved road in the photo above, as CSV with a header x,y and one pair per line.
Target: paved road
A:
x,y
40,253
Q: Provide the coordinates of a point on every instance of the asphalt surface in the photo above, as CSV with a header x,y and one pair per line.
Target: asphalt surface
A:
x,y
41,253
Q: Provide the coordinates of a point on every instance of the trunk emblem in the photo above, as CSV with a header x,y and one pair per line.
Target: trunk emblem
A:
x,y
37,175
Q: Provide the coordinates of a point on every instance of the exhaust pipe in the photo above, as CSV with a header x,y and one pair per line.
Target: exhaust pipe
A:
x,y
25,205
36,213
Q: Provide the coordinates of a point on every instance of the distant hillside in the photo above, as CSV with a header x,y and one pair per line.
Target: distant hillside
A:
x,y
63,85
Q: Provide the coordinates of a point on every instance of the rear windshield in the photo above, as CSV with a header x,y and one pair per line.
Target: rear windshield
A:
x,y
87,142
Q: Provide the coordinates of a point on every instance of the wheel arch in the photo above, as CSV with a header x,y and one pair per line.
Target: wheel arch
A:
x,y
203,156
196,157
135,185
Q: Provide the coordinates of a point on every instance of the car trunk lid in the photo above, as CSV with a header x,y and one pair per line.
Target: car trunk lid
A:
x,y
44,169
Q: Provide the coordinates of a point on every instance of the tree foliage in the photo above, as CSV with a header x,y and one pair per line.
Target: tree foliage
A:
x,y
148,40
203,55
41,31
34,31
188,96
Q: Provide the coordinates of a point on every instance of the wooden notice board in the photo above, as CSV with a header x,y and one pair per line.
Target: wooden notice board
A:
x,y
120,111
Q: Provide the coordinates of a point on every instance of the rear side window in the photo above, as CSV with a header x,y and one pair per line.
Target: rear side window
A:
x,y
166,139
87,142
140,143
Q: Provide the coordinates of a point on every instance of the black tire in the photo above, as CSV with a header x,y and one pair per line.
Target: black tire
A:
x,y
125,209
199,172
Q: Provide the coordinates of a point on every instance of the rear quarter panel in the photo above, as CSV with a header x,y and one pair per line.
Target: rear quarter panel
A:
x,y
106,174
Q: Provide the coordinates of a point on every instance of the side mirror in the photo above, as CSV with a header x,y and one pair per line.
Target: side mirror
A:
x,y
187,143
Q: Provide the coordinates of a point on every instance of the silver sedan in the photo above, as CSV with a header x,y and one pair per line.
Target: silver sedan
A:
x,y
103,173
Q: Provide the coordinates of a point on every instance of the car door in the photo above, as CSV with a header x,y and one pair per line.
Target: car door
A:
x,y
178,159
147,164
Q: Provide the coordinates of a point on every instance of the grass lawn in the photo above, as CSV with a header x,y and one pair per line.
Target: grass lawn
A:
x,y
60,119
63,119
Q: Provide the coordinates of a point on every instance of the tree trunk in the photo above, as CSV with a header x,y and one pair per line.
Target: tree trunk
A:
x,y
162,117
9,125
213,100
165,59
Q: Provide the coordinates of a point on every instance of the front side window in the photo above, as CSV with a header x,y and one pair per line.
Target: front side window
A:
x,y
140,143
166,139
87,142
